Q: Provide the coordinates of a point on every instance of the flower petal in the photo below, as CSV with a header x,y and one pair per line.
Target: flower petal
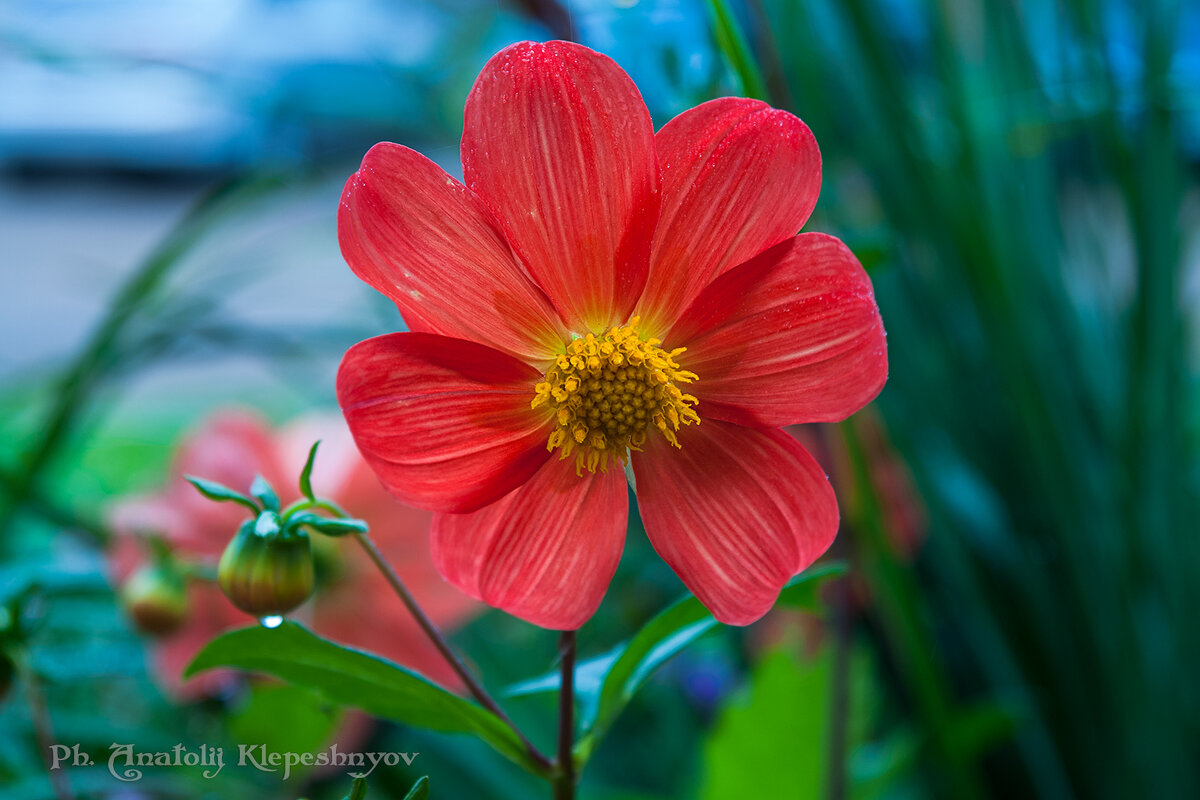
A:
x,y
433,247
792,336
445,423
737,177
558,142
736,512
545,553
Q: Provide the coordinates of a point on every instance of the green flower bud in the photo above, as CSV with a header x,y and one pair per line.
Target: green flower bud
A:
x,y
266,571
155,598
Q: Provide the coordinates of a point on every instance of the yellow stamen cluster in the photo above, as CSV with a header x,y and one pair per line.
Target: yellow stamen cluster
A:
x,y
607,391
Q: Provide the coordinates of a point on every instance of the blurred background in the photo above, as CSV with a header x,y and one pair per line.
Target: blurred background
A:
x,y
1020,506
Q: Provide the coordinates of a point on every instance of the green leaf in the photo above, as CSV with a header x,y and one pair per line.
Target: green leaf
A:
x,y
353,678
265,493
878,769
605,685
327,526
287,719
783,718
25,576
420,790
673,630
803,592
589,678
358,790
222,494
980,727
306,473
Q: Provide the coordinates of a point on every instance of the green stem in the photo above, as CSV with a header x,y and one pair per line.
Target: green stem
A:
x,y
840,624
737,53
564,783
42,728
899,604
322,503
470,681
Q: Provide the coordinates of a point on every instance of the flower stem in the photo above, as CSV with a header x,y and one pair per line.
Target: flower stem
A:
x,y
904,628
841,623
564,784
42,728
305,504
439,641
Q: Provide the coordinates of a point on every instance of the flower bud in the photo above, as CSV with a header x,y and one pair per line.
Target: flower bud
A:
x,y
265,571
155,598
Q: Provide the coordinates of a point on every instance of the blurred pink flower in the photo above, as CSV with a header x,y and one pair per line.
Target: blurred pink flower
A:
x,y
353,605
896,493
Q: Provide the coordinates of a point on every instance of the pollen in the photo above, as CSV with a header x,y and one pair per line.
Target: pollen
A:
x,y
607,393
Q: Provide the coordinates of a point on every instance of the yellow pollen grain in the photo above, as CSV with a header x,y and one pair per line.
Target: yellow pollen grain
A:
x,y
605,392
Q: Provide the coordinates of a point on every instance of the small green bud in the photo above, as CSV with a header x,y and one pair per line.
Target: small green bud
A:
x,y
266,571
155,598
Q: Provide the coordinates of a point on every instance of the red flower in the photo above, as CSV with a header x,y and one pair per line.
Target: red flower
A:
x,y
597,294
353,605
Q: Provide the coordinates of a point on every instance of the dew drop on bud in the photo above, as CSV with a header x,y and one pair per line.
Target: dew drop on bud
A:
x,y
271,622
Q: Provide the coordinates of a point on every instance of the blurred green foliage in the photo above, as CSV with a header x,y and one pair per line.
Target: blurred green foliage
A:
x,y
791,700
1021,182
1025,171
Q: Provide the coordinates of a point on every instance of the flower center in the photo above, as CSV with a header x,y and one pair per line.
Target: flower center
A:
x,y
607,391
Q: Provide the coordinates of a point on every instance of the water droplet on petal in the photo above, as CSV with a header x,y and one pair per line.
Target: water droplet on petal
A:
x,y
271,622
